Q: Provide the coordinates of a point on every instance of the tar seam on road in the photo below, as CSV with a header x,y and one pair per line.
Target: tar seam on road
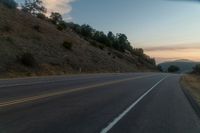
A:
x,y
42,82
117,119
34,98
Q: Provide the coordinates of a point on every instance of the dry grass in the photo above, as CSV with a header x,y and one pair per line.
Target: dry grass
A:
x,y
192,83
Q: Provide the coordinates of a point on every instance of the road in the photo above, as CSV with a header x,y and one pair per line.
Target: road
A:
x,y
96,103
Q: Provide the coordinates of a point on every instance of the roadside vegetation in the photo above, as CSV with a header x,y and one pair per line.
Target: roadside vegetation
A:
x,y
173,69
196,70
67,45
192,83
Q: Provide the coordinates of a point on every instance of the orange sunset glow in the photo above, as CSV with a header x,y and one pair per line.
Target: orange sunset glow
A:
x,y
162,54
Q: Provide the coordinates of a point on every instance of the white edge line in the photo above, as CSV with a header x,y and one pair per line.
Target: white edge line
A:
x,y
117,119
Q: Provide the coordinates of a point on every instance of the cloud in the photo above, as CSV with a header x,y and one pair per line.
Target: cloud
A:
x,y
172,48
62,6
176,52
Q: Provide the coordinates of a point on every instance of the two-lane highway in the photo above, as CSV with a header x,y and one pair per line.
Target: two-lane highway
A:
x,y
117,103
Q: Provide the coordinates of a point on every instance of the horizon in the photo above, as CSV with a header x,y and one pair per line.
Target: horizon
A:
x,y
167,30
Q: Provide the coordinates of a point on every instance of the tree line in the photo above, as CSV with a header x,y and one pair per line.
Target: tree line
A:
x,y
196,69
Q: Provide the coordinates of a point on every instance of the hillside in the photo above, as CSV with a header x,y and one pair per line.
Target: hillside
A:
x,y
30,46
184,65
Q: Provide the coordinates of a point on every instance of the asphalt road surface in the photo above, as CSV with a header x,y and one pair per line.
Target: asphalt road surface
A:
x,y
98,103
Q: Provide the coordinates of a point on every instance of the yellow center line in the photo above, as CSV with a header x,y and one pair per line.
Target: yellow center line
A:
x,y
34,98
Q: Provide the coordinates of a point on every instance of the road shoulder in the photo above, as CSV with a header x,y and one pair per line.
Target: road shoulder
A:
x,y
190,85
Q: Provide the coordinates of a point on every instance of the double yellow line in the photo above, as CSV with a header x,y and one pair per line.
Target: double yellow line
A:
x,y
52,94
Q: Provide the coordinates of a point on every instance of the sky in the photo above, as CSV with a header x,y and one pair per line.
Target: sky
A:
x,y
166,29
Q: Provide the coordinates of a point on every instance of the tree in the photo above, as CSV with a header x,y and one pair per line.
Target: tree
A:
x,y
34,7
62,25
87,31
111,38
41,16
160,68
101,37
75,27
122,43
138,51
196,69
173,69
9,3
56,17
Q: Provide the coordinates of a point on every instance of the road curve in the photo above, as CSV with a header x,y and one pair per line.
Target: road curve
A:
x,y
96,103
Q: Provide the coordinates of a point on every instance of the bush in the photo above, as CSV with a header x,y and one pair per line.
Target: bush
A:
x,y
62,26
93,43
9,3
138,51
67,45
196,69
101,47
159,67
6,28
9,39
41,16
27,59
173,69
56,18
37,28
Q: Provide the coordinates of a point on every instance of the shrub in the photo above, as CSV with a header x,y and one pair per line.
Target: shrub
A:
x,y
27,59
62,26
101,47
196,69
87,31
93,43
159,67
56,18
9,3
67,45
41,16
138,51
6,28
9,39
173,69
37,28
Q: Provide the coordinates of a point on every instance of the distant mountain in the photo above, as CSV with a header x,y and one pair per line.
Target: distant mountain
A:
x,y
184,65
183,60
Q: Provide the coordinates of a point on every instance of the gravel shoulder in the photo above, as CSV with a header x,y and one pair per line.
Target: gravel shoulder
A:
x,y
192,84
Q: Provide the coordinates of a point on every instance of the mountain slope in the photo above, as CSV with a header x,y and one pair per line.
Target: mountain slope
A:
x,y
21,33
